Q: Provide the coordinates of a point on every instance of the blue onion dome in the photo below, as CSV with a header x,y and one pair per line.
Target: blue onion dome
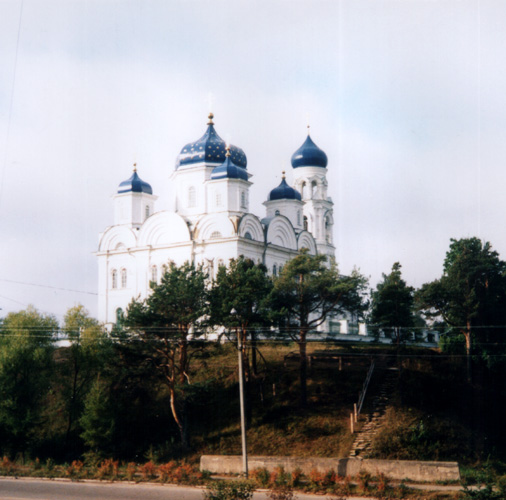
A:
x,y
134,185
309,155
284,192
210,148
228,169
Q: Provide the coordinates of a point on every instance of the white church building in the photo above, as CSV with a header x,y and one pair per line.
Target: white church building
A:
x,y
211,221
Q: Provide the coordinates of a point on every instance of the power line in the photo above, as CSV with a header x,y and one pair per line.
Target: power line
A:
x,y
48,286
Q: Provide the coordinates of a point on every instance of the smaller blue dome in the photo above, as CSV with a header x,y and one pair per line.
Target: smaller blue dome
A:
x,y
229,170
284,192
134,185
309,155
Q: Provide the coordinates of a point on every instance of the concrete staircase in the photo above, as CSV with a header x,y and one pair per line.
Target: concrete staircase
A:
x,y
380,403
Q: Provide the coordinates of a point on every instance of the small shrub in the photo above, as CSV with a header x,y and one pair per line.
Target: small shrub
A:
x,y
382,485
315,478
236,490
261,476
148,470
281,492
49,465
74,469
108,468
363,480
7,465
36,464
131,470
165,471
297,476
182,474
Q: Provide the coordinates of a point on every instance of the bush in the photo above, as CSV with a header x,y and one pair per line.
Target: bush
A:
x,y
281,492
236,490
261,476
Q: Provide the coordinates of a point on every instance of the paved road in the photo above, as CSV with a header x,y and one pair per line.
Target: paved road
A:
x,y
39,489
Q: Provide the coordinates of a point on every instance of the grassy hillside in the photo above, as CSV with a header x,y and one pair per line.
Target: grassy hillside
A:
x,y
434,414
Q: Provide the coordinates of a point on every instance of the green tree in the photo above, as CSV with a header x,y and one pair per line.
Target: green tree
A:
x,y
97,420
392,303
306,293
164,322
26,345
239,300
83,360
470,296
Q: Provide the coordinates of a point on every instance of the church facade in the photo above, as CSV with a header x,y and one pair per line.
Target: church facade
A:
x,y
211,222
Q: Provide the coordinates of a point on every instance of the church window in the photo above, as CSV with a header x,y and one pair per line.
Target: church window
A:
x,y
243,199
247,235
277,212
215,234
218,199
304,190
154,274
147,211
123,278
305,223
313,189
274,270
114,276
298,217
192,197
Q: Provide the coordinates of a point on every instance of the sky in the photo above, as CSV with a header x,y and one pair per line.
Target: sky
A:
x,y
407,98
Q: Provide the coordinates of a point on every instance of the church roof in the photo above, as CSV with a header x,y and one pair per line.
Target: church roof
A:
x,y
134,185
309,155
229,170
284,192
210,148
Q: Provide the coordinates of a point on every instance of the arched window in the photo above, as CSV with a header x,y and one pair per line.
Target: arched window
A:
x,y
305,223
274,270
247,235
277,212
114,276
147,211
303,189
215,234
314,187
154,274
243,199
192,197
123,278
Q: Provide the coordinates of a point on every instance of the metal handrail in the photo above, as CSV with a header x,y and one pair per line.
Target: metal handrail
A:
x,y
364,388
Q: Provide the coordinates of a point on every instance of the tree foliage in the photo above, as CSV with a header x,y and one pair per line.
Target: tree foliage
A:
x,y
87,353
470,295
392,303
26,344
239,299
306,293
164,321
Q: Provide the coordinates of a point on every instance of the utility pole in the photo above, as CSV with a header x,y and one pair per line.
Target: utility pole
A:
x,y
233,312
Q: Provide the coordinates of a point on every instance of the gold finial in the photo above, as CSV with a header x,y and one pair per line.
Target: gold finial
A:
x,y
211,116
135,167
283,175
228,150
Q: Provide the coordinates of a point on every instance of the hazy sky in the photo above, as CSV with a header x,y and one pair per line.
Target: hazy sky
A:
x,y
407,98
